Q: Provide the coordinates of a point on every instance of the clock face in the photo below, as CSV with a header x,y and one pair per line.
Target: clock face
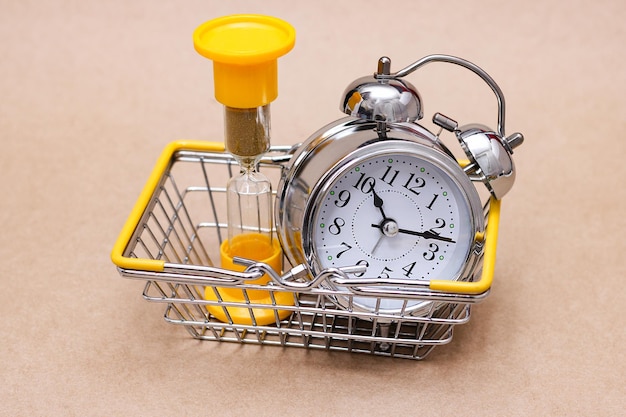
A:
x,y
401,215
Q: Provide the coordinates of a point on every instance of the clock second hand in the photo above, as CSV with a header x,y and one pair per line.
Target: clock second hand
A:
x,y
426,235
380,239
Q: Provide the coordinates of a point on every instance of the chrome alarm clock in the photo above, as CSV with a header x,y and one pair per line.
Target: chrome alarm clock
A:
x,y
379,191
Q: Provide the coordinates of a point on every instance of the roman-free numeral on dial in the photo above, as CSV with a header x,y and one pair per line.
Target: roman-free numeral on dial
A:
x,y
390,176
414,184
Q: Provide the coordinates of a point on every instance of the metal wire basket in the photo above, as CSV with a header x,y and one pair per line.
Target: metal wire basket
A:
x,y
175,230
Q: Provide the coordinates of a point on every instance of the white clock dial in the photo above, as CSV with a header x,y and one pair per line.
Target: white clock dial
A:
x,y
399,215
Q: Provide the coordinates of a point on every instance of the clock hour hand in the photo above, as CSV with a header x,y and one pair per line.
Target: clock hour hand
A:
x,y
427,234
378,203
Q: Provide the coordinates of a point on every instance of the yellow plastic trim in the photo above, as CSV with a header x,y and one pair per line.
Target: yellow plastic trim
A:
x,y
244,50
489,259
117,254
252,244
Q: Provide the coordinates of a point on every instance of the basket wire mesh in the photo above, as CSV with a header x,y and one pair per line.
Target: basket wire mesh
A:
x,y
176,229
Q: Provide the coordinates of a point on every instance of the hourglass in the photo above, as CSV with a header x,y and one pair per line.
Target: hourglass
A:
x,y
244,50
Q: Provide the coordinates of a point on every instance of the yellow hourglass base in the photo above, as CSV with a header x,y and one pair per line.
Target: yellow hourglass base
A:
x,y
257,247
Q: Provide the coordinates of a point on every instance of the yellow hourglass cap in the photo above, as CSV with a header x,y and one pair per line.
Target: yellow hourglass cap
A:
x,y
244,49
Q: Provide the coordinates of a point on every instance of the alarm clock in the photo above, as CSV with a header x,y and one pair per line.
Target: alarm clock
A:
x,y
377,193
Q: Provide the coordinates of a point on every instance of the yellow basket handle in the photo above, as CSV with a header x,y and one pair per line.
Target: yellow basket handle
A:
x,y
163,163
489,259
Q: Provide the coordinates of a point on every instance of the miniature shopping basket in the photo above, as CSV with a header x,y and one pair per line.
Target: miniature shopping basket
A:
x,y
175,230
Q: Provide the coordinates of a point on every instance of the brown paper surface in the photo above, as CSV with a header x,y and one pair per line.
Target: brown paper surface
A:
x,y
91,92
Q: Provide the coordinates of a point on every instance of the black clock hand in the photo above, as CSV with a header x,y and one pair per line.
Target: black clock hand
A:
x,y
427,234
378,203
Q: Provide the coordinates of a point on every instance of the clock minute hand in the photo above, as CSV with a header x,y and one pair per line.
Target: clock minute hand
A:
x,y
427,234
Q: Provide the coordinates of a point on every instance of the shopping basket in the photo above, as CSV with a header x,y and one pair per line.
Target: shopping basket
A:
x,y
174,232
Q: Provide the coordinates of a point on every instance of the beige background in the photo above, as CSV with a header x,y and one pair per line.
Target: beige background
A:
x,y
91,92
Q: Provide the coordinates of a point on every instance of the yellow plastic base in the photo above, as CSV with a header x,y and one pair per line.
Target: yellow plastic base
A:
x,y
259,248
